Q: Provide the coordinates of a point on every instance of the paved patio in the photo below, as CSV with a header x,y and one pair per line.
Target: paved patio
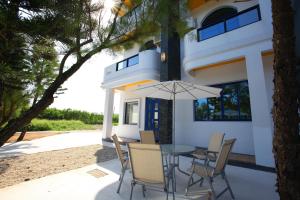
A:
x,y
56,142
78,184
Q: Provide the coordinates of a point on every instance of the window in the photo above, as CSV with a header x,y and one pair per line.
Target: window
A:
x,y
128,62
133,61
227,19
218,16
131,112
232,105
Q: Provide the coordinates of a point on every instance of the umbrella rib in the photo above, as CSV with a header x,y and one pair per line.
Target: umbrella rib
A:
x,y
162,88
187,90
167,88
149,86
203,90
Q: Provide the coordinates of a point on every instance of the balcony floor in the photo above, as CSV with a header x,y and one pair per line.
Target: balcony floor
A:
x,y
88,183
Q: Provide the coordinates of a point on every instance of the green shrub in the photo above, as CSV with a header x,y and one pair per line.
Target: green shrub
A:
x,y
69,114
58,125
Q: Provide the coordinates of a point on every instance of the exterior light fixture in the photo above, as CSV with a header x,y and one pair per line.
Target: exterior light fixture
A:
x,y
163,57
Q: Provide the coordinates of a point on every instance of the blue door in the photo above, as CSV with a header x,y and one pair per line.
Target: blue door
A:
x,y
152,116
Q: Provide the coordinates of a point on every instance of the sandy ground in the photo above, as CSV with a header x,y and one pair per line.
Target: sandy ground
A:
x,y
14,170
34,135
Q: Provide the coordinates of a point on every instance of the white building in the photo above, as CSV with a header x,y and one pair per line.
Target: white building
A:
x,y
230,47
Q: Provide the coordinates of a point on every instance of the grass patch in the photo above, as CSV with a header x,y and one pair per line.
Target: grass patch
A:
x,y
58,125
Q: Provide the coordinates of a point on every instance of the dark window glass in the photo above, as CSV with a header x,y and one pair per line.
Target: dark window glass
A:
x,y
128,62
227,19
214,106
230,102
133,61
121,65
219,15
244,98
212,31
131,112
201,109
232,105
242,20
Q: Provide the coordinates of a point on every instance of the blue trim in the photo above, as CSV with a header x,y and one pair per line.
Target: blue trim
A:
x,y
224,22
222,105
150,113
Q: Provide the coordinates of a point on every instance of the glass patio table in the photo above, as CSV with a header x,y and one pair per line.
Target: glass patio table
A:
x,y
173,152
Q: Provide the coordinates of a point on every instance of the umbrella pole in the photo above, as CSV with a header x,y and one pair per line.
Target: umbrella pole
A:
x,y
173,122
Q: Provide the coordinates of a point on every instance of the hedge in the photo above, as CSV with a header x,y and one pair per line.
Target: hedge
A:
x,y
69,114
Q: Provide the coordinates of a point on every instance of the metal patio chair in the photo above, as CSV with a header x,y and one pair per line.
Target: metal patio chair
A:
x,y
147,168
123,157
213,149
208,172
147,137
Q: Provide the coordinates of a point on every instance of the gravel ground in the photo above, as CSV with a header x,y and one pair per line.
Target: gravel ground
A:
x,y
14,170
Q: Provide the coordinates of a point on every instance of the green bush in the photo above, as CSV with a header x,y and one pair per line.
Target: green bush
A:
x,y
58,125
69,114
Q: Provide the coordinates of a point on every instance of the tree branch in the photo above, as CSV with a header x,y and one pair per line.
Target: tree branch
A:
x,y
71,51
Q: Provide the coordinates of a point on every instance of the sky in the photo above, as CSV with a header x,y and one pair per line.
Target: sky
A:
x,y
84,90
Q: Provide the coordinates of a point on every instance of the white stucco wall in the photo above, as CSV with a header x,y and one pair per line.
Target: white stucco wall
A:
x,y
198,133
127,130
249,42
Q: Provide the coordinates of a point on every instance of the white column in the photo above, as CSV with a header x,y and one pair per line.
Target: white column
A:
x,y
266,14
108,113
261,113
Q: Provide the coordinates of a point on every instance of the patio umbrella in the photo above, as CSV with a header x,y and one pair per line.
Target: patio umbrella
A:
x,y
172,90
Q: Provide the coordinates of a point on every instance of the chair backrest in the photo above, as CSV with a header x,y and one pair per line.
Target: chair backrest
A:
x,y
146,163
147,137
223,155
119,150
215,142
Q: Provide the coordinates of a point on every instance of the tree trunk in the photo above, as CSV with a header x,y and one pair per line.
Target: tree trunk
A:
x,y
286,142
22,135
47,99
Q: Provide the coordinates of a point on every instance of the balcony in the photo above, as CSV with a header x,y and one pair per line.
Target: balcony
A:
x,y
242,30
140,67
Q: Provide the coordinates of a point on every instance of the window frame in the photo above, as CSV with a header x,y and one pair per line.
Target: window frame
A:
x,y
222,85
256,7
127,62
125,112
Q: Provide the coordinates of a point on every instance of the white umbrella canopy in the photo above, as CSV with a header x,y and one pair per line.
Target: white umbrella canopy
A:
x,y
172,90
178,89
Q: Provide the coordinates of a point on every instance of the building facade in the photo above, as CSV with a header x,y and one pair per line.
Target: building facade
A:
x,y
230,46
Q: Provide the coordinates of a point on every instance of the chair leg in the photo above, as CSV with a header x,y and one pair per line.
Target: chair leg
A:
x,y
189,183
132,185
211,187
121,180
173,188
201,182
228,186
144,190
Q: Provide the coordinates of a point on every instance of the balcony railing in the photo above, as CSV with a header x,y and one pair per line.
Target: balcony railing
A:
x,y
244,18
128,62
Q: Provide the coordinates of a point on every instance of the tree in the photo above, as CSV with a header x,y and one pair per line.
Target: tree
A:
x,y
286,142
44,67
82,29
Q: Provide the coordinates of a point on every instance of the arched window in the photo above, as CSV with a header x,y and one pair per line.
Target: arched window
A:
x,y
227,19
219,16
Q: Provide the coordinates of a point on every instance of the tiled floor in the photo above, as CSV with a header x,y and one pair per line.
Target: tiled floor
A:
x,y
78,184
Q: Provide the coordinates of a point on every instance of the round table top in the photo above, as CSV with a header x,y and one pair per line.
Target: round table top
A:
x,y
177,149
